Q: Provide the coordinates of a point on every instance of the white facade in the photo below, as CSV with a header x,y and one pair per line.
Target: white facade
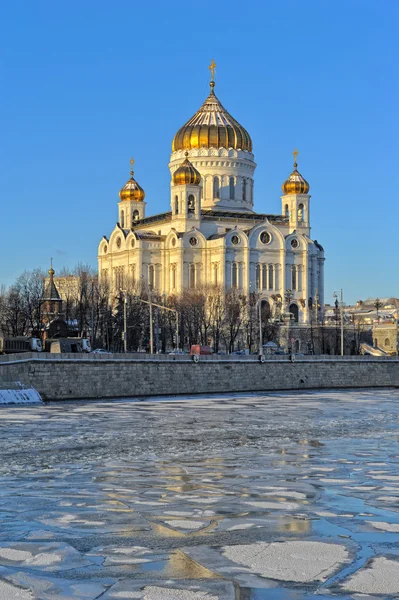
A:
x,y
211,234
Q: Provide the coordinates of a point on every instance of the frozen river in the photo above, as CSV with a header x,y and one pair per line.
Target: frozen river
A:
x,y
276,496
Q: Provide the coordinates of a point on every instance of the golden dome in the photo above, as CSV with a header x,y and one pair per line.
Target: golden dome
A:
x,y
295,184
212,127
131,190
186,174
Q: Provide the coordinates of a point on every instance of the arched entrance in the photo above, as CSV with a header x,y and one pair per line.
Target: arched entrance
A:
x,y
295,312
265,310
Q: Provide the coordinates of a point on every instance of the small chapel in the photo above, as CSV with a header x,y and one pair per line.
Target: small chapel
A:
x,y
212,234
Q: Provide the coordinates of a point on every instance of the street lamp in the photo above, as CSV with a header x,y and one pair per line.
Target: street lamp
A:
x,y
340,295
124,292
258,309
150,305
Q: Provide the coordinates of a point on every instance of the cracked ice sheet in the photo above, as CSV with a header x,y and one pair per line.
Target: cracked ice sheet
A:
x,y
391,527
171,590
379,577
186,524
302,562
46,588
41,556
8,592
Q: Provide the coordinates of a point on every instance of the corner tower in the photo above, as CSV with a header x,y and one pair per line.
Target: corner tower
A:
x,y
221,150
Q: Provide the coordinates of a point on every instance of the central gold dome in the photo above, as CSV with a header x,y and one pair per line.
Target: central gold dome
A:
x,y
212,127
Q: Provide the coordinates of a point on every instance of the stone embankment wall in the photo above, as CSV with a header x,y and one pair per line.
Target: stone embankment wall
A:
x,y
59,377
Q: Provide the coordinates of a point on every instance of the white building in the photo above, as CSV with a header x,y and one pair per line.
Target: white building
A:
x,y
211,234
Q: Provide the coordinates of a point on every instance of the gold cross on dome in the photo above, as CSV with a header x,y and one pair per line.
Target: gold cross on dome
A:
x,y
212,68
131,165
295,154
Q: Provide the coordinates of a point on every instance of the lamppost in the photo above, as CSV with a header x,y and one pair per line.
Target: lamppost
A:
x,y
259,308
340,295
124,292
151,304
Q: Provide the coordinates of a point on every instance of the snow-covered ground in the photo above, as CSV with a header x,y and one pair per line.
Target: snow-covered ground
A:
x,y
287,496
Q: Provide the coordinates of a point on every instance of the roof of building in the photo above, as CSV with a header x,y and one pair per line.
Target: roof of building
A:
x,y
50,291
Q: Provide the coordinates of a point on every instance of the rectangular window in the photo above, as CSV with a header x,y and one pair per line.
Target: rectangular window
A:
x,y
294,278
264,277
234,275
258,277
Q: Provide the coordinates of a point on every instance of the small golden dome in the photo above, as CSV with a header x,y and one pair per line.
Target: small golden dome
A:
x,y
131,190
295,184
186,174
212,127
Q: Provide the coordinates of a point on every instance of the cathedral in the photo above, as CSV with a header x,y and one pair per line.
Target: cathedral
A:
x,y
211,234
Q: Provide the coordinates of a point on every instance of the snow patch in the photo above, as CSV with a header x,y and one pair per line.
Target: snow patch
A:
x,y
28,396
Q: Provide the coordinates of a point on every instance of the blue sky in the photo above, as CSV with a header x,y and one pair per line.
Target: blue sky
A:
x,y
86,85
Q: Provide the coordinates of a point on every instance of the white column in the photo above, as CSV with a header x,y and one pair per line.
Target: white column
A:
x,y
299,278
315,283
198,268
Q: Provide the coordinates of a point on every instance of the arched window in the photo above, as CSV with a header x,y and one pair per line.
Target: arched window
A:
x,y
387,342
191,204
151,276
216,187
231,187
271,282
286,211
234,275
294,278
122,219
258,277
375,343
176,205
192,277
135,216
264,277
301,213
294,311
244,189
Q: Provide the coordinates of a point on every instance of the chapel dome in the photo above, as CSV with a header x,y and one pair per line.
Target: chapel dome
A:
x,y
132,190
186,174
295,184
212,127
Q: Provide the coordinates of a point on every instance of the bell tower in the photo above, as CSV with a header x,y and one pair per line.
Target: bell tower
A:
x,y
296,200
131,207
185,196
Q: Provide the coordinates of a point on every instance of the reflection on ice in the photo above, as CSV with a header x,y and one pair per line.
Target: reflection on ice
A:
x,y
228,498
